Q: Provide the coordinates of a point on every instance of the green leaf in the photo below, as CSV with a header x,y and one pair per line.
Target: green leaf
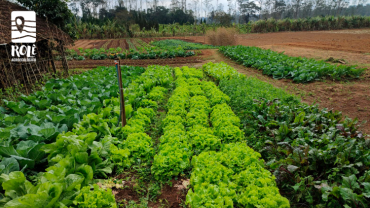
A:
x,y
85,171
292,168
14,182
366,192
350,182
8,165
72,180
49,133
24,162
82,157
8,151
347,194
29,201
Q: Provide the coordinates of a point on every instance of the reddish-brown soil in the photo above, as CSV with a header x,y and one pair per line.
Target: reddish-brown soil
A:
x,y
123,44
327,40
113,44
146,62
170,196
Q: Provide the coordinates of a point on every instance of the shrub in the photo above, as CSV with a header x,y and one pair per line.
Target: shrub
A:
x,y
222,36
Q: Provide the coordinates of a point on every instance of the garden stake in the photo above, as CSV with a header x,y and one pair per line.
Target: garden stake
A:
x,y
122,115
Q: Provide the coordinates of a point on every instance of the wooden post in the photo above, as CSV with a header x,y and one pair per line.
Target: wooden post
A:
x,y
121,93
63,56
51,58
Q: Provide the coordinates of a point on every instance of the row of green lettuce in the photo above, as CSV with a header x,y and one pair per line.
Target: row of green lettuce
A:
x,y
318,157
97,146
37,119
202,135
281,66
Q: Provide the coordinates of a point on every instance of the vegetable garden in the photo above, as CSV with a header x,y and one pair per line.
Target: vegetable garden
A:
x,y
228,139
242,142
136,52
224,125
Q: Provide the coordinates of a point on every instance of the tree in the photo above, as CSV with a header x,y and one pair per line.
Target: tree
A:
x,y
247,9
221,17
55,11
207,4
279,6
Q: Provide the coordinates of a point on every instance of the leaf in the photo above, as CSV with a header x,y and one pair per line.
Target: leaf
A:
x,y
87,172
296,186
8,165
347,194
36,153
82,157
29,201
72,180
300,117
24,147
366,192
54,190
292,168
350,182
8,151
49,133
24,161
69,121
14,182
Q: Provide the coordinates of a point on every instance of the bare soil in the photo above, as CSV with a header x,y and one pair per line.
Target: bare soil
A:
x,y
178,61
170,196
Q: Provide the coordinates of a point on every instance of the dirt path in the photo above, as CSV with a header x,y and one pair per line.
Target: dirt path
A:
x,y
352,98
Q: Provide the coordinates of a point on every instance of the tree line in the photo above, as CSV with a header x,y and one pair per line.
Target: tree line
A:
x,y
108,17
211,11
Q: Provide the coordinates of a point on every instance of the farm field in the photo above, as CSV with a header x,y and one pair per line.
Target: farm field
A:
x,y
204,129
93,63
229,126
351,97
259,104
351,45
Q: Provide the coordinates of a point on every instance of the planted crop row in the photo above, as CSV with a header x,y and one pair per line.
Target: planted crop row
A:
x,y
114,53
279,65
235,175
174,151
131,45
186,126
318,157
174,44
40,117
218,179
143,44
96,146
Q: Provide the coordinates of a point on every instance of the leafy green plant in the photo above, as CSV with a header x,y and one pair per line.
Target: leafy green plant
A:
x,y
232,177
90,150
95,198
318,157
40,117
279,65
175,44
